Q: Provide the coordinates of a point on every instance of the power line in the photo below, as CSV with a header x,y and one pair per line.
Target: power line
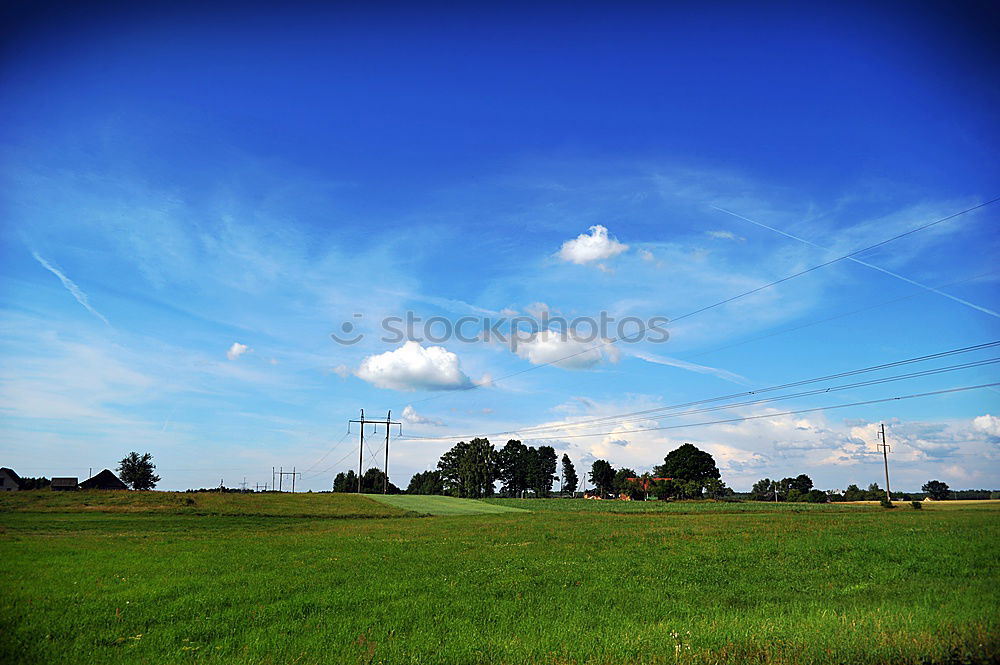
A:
x,y
864,263
793,384
742,295
327,453
688,356
732,405
333,466
798,411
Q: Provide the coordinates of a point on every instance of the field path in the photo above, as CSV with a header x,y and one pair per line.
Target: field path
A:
x,y
441,505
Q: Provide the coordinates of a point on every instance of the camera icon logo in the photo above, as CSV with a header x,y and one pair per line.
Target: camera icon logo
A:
x,y
347,327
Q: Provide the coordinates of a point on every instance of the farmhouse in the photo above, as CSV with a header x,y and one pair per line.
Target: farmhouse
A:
x,y
9,480
64,484
105,480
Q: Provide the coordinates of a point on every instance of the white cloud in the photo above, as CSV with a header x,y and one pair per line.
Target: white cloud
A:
x,y
646,255
725,235
237,350
691,367
71,286
412,367
596,246
987,424
411,416
565,350
343,371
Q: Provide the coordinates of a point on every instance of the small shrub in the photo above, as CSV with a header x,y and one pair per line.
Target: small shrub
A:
x,y
916,505
885,503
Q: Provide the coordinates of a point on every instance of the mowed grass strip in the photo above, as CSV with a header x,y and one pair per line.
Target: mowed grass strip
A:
x,y
836,586
679,507
269,504
442,505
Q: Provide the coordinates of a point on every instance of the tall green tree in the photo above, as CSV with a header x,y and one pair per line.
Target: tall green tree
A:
x,y
512,468
136,471
854,493
622,485
469,469
345,482
801,482
373,482
716,489
936,490
602,475
542,470
688,463
762,490
426,482
569,479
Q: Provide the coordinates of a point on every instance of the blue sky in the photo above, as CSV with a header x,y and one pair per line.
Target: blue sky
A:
x,y
194,201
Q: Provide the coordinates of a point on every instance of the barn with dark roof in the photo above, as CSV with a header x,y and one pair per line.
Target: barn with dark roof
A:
x,y
105,480
9,480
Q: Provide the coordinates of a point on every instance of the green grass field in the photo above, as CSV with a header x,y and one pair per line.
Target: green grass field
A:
x,y
441,505
280,579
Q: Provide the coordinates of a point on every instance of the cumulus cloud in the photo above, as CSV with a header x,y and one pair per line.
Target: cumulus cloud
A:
x,y
413,367
237,350
988,425
646,255
565,350
411,416
595,246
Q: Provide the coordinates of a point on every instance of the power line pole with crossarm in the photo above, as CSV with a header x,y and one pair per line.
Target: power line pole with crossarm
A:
x,y
361,449
885,458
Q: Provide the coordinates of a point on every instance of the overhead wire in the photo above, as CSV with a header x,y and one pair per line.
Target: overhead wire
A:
x,y
645,413
794,412
739,295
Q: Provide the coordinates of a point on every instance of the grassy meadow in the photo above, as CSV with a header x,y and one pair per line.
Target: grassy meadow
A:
x,y
149,578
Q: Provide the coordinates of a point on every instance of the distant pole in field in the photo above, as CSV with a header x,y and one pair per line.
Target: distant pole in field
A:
x,y
272,478
281,477
885,458
293,480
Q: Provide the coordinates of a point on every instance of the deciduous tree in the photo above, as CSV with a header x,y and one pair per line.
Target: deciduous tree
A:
x,y
136,471
688,463
426,482
936,490
602,475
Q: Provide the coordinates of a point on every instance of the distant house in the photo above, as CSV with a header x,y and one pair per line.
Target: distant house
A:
x,y
9,480
105,480
64,484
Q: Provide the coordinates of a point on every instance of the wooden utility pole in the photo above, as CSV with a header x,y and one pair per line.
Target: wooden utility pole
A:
x,y
885,458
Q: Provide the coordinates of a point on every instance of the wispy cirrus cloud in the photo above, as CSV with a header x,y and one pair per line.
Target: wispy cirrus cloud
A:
x,y
691,367
71,286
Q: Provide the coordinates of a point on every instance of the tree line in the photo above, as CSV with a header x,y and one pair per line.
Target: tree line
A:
x,y
801,489
473,470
